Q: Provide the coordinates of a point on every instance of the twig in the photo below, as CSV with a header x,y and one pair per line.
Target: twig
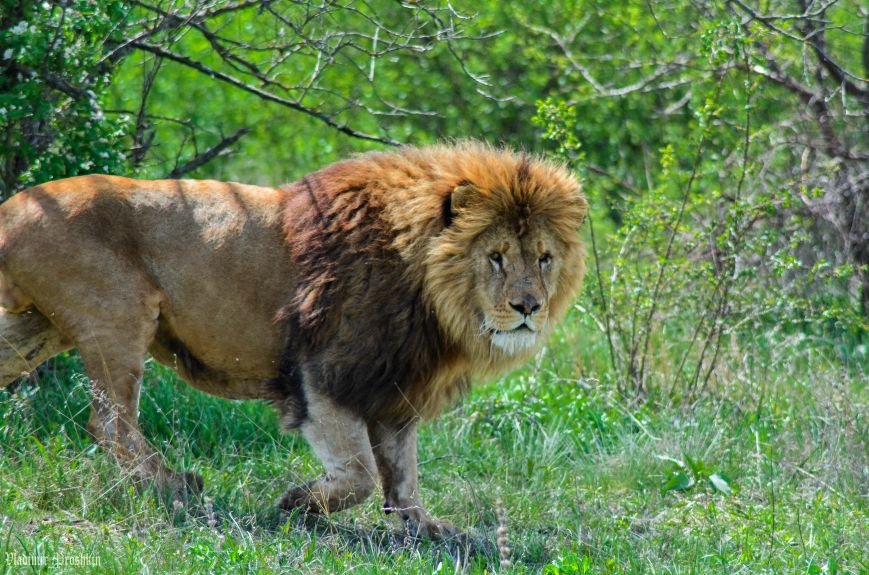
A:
x,y
207,155
606,312
142,139
677,220
619,181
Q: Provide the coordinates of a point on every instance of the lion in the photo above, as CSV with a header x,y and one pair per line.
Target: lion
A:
x,y
360,300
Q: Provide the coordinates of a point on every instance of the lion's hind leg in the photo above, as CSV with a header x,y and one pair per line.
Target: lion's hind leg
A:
x,y
340,440
115,369
113,349
27,339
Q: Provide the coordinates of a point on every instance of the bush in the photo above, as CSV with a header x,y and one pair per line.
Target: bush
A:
x,y
56,68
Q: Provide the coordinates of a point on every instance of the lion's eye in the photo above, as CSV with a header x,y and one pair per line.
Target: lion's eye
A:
x,y
497,259
545,260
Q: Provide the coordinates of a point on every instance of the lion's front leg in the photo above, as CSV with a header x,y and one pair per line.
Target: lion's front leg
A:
x,y
340,440
395,453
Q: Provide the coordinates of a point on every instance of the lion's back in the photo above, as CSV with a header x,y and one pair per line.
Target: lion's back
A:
x,y
142,219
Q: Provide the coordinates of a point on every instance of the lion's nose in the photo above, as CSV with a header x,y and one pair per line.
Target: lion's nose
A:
x,y
527,305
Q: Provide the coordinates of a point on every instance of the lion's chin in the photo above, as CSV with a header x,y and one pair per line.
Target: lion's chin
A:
x,y
514,341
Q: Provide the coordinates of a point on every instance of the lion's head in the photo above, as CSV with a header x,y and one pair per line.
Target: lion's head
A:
x,y
510,259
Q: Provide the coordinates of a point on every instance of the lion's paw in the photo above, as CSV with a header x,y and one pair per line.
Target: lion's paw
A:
x,y
435,529
298,498
420,524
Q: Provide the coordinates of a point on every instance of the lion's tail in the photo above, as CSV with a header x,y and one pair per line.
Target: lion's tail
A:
x,y
26,340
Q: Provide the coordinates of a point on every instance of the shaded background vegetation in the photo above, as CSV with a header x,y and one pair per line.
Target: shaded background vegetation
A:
x,y
724,147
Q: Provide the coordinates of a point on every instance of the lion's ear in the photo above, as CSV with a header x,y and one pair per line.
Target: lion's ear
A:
x,y
582,205
460,198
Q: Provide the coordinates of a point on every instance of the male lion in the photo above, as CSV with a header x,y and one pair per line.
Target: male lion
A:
x,y
361,299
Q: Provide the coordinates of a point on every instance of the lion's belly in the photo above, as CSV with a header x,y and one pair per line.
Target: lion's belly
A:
x,y
222,335
228,364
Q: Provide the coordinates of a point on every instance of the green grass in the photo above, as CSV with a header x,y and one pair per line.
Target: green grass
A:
x,y
766,473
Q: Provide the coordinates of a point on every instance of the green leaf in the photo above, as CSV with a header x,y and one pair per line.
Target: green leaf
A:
x,y
720,484
679,481
697,466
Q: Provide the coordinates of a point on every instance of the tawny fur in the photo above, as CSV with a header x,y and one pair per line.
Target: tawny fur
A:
x,y
371,291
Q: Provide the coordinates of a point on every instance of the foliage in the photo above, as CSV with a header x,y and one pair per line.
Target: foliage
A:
x,y
188,80
53,82
709,251
290,76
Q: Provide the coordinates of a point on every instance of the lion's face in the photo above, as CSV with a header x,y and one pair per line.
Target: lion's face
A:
x,y
508,261
513,273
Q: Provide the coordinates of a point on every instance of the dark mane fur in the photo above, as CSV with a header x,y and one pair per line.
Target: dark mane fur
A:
x,y
352,277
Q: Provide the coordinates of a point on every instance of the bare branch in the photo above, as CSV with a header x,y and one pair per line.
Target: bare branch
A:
x,y
294,105
814,101
214,151
319,35
814,39
648,83
143,136
169,21
621,182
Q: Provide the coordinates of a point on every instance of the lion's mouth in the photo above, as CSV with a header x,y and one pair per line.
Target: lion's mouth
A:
x,y
521,328
513,341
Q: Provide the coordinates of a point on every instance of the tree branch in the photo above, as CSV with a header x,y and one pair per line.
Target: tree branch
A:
x,y
646,84
214,151
813,101
815,40
232,80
